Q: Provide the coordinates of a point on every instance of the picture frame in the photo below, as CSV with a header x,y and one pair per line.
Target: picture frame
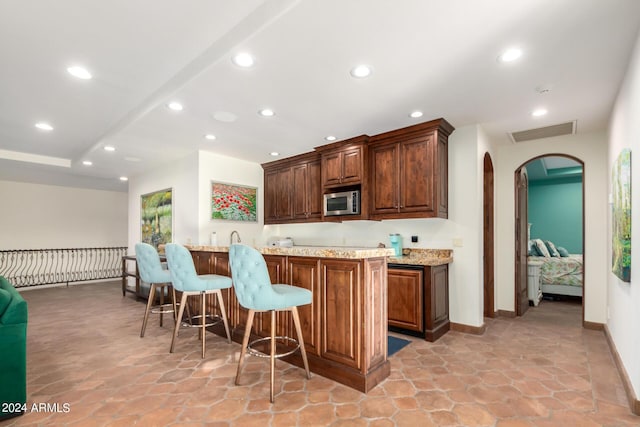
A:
x,y
233,202
156,217
621,216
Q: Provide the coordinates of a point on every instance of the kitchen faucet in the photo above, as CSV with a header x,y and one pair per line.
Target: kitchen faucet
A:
x,y
231,238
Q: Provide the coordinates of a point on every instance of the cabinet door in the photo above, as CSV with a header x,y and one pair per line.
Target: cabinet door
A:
x,y
405,298
305,273
331,169
314,190
351,166
283,197
442,177
300,199
417,175
341,311
270,196
384,179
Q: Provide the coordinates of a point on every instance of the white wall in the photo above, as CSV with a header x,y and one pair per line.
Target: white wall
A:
x,y
38,216
214,167
624,298
592,150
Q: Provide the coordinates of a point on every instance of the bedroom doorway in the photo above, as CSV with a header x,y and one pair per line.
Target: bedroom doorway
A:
x,y
549,232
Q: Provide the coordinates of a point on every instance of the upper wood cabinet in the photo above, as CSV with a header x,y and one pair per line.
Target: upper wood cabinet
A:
x,y
292,189
343,163
408,172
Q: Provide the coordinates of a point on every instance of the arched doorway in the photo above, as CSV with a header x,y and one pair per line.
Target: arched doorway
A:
x,y
551,214
488,242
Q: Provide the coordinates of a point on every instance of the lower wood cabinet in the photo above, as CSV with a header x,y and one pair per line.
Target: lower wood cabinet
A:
x,y
418,299
345,326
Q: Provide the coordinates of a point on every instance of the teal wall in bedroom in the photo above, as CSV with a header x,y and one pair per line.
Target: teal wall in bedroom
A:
x,y
555,212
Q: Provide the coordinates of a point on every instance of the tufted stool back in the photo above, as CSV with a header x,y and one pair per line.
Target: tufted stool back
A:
x,y
251,280
183,271
149,265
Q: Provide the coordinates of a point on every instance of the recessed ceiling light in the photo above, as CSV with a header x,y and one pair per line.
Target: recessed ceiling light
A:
x,y
175,106
539,112
124,178
79,72
274,153
361,71
510,55
267,112
87,162
109,148
415,114
330,138
243,59
44,126
210,137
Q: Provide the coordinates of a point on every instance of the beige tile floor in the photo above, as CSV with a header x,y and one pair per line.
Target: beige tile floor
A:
x,y
85,355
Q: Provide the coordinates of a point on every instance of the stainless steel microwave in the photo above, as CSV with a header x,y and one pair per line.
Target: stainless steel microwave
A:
x,y
343,203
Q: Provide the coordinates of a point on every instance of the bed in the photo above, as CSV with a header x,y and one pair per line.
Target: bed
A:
x,y
560,273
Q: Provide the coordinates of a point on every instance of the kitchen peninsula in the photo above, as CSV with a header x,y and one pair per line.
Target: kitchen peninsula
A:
x,y
345,326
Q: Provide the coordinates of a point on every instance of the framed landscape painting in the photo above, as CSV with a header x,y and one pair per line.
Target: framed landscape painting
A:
x,y
621,222
156,217
233,202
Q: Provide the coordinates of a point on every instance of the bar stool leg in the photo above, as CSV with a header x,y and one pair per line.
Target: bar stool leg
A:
x,y
296,322
152,290
245,343
203,320
223,314
273,354
183,302
173,302
161,303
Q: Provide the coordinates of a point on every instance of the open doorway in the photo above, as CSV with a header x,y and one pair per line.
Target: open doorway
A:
x,y
549,232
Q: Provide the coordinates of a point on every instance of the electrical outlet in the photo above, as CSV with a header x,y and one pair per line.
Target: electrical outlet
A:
x,y
457,242
414,239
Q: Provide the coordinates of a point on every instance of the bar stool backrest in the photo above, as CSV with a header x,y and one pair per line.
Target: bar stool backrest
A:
x,y
250,276
183,272
149,265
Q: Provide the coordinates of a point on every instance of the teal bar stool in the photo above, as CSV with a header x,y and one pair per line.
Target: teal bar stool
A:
x,y
186,280
256,293
159,279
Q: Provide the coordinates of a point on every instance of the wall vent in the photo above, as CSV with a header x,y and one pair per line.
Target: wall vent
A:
x,y
567,128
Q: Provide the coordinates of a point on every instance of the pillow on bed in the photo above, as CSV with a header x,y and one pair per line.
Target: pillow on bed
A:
x,y
552,249
562,251
541,247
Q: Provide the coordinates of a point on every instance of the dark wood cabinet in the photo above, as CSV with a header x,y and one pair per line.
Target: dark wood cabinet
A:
x,y
405,298
292,190
344,327
408,172
343,163
418,298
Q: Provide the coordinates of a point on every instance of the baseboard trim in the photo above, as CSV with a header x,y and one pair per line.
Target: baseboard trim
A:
x,y
468,329
593,326
634,403
505,313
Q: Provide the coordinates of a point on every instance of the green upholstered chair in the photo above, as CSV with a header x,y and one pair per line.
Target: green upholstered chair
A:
x,y
186,280
159,279
13,351
256,293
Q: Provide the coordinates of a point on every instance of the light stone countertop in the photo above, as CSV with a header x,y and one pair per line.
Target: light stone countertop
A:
x,y
428,257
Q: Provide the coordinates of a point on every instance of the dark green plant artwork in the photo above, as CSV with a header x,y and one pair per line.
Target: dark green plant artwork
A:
x,y
156,217
622,216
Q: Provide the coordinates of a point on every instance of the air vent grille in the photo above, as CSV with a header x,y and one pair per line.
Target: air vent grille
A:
x,y
567,128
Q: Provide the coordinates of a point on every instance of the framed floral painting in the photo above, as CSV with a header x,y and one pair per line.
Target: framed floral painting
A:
x,y
156,217
233,202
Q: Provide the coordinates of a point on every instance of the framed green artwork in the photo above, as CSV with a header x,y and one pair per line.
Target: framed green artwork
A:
x,y
156,217
621,216
233,202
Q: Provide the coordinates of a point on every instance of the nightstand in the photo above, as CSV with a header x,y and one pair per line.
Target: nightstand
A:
x,y
533,283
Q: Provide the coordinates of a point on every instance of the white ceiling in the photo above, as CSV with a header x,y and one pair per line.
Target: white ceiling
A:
x,y
437,56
